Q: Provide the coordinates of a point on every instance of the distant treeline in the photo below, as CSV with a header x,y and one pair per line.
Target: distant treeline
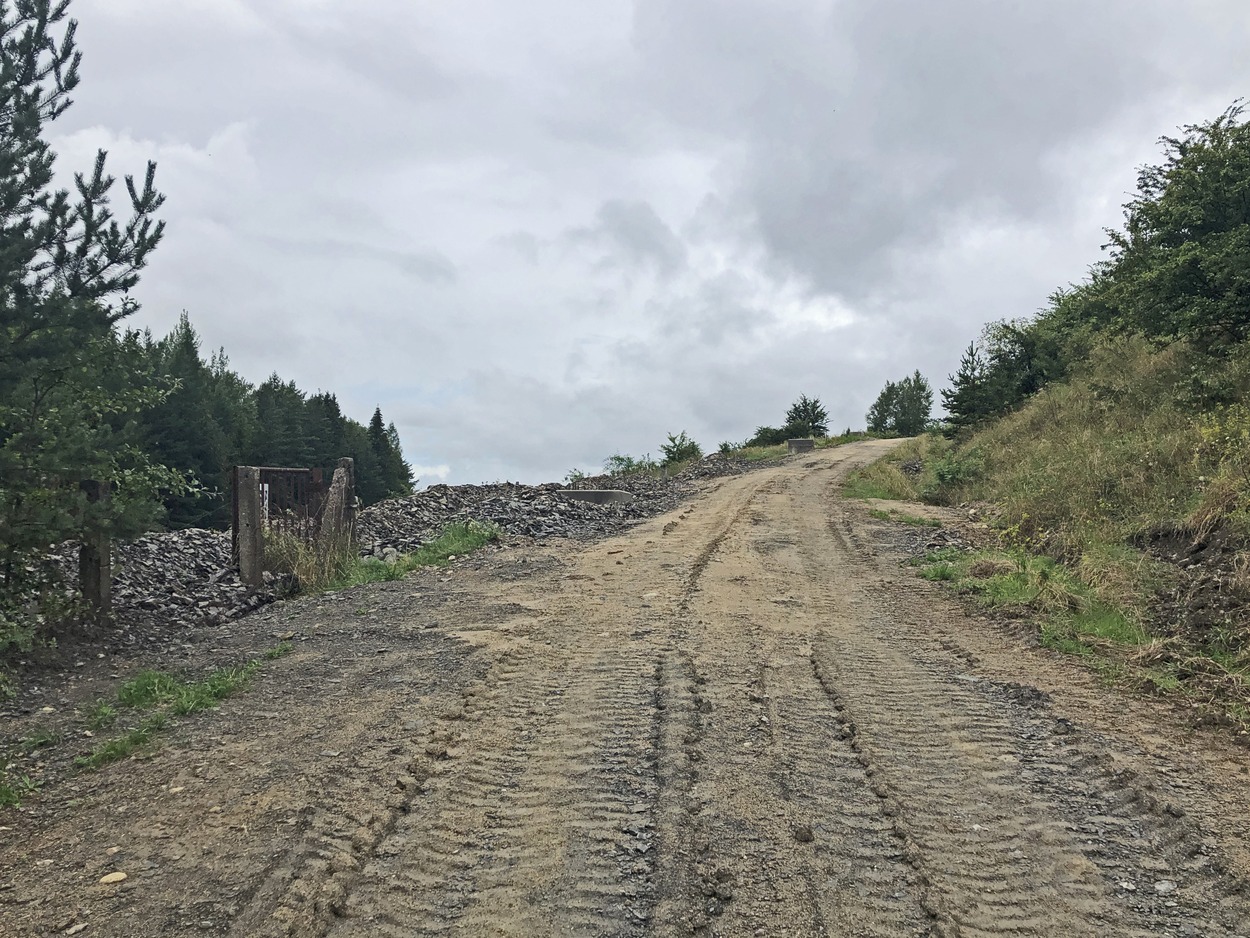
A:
x,y
211,419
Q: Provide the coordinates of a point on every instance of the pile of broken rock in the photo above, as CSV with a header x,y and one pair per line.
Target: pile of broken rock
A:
x,y
186,577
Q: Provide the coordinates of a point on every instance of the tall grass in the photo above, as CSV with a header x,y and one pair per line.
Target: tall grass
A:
x,y
1111,454
313,564
1142,440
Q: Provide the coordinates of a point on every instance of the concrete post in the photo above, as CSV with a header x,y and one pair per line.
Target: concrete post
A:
x,y
348,465
95,564
249,531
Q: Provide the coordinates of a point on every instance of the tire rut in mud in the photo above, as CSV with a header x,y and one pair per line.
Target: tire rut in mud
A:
x,y
781,748
542,821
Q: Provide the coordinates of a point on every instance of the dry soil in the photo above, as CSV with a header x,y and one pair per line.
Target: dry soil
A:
x,y
746,717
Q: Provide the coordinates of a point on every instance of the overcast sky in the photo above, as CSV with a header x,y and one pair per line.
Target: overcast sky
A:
x,y
540,233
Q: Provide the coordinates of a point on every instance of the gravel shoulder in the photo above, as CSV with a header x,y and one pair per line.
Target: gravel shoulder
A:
x,y
741,717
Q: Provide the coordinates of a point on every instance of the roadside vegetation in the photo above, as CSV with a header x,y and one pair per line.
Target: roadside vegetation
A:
x,y
83,399
330,564
153,701
159,696
806,418
1108,437
145,706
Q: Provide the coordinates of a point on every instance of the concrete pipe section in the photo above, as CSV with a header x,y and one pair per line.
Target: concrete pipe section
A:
x,y
597,496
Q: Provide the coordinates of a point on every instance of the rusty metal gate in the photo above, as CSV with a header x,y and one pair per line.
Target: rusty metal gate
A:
x,y
290,501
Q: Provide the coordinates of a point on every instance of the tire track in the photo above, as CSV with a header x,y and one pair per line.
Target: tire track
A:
x,y
862,881
547,824
998,861
304,888
787,832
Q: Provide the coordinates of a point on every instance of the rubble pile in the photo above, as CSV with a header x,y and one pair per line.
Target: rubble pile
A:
x,y
175,577
187,577
538,511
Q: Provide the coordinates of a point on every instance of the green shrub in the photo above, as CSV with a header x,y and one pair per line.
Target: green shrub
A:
x,y
620,465
680,448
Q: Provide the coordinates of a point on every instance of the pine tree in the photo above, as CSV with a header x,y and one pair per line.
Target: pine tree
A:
x,y
68,394
183,430
902,408
807,417
881,414
396,471
394,475
282,437
967,399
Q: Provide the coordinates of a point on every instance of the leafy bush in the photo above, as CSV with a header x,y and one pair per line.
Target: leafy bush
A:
x,y
769,436
619,465
680,448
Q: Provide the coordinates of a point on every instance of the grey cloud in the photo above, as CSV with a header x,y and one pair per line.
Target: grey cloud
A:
x,y
631,233
428,265
869,126
564,229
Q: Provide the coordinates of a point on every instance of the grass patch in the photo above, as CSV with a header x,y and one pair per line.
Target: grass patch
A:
x,y
1091,611
101,716
13,788
940,572
280,650
149,689
885,479
456,540
39,739
125,745
762,453
206,694
1075,617
167,695
881,480
1123,447
313,566
152,689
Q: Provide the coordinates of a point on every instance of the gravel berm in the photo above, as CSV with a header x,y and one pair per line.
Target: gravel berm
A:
x,y
166,581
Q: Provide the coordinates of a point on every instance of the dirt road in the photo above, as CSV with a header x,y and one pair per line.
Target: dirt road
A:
x,y
743,718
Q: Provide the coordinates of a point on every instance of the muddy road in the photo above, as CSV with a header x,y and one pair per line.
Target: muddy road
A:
x,y
742,718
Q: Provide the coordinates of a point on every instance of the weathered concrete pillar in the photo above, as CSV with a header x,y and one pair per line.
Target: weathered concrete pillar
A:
x,y
249,530
800,446
348,465
95,562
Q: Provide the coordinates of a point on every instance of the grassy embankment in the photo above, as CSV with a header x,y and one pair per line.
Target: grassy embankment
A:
x,y
1080,482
